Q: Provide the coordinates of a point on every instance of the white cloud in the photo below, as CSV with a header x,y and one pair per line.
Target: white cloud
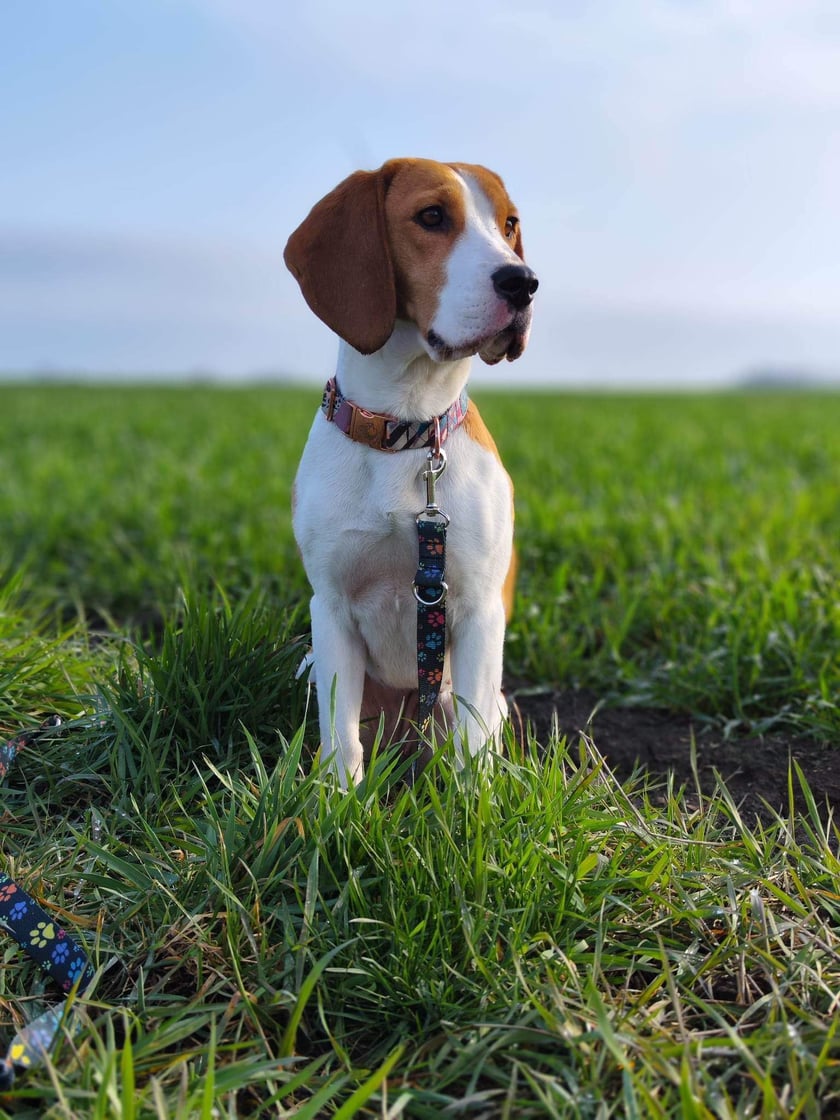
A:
x,y
671,158
111,302
101,274
121,304
663,54
679,57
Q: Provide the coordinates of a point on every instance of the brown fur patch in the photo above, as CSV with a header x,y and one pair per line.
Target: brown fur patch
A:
x,y
495,190
477,430
420,254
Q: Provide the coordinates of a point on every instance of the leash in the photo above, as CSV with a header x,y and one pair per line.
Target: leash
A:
x,y
49,945
430,589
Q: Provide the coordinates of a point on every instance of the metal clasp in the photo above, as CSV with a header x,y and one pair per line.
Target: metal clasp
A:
x,y
436,465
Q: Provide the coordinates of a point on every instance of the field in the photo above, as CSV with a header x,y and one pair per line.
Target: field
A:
x,y
537,940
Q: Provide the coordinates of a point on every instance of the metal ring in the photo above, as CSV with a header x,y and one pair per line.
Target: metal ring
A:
x,y
431,602
440,456
430,513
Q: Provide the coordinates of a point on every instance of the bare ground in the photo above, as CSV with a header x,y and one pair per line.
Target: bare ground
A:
x,y
754,768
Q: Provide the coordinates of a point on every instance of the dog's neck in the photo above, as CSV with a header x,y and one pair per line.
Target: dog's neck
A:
x,y
401,379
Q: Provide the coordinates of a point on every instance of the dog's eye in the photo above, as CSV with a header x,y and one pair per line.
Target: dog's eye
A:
x,y
510,226
432,217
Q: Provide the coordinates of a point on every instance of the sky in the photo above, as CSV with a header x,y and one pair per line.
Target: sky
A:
x,y
676,165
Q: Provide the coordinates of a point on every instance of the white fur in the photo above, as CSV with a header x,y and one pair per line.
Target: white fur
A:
x,y
355,510
470,312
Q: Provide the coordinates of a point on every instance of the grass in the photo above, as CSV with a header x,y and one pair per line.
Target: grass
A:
x,y
529,940
675,551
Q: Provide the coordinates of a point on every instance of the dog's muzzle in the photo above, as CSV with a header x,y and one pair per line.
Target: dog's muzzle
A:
x,y
516,284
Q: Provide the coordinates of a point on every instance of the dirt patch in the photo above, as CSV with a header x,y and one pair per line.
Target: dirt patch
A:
x,y
754,768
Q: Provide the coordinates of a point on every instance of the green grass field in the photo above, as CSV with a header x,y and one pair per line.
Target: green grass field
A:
x,y
533,941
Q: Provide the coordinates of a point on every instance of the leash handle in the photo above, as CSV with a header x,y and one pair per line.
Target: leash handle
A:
x,y
31,1045
9,750
47,944
44,941
58,955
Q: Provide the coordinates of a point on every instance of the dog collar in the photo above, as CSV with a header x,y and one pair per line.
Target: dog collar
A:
x,y
388,433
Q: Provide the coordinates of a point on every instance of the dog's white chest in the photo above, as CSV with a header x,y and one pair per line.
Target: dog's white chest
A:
x,y
355,522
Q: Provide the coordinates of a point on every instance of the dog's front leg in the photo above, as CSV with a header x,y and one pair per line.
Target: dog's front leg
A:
x,y
476,662
340,677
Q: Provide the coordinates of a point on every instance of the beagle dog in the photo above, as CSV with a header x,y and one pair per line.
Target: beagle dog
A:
x,y
416,267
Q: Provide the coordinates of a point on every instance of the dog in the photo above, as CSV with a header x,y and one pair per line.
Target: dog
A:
x,y
417,267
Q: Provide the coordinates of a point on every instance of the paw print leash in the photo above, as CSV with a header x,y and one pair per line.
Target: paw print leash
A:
x,y
45,942
430,590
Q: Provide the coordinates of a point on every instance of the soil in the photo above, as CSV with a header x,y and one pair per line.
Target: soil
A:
x,y
754,768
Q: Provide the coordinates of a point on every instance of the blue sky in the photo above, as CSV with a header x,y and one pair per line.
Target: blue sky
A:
x,y
676,165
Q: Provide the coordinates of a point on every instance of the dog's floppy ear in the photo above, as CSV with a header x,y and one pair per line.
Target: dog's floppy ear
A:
x,y
340,257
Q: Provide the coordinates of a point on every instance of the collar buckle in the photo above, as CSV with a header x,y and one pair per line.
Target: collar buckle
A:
x,y
367,427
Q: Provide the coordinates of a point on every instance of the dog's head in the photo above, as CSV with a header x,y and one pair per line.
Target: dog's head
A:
x,y
437,244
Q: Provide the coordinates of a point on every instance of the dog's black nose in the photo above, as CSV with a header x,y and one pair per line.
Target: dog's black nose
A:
x,y
516,283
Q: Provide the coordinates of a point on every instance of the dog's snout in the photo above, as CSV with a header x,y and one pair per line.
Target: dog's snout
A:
x,y
516,283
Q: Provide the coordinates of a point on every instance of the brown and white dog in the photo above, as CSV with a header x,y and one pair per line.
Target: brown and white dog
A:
x,y
417,267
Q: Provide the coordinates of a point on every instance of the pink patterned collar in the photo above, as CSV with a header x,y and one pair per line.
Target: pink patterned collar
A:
x,y
389,433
